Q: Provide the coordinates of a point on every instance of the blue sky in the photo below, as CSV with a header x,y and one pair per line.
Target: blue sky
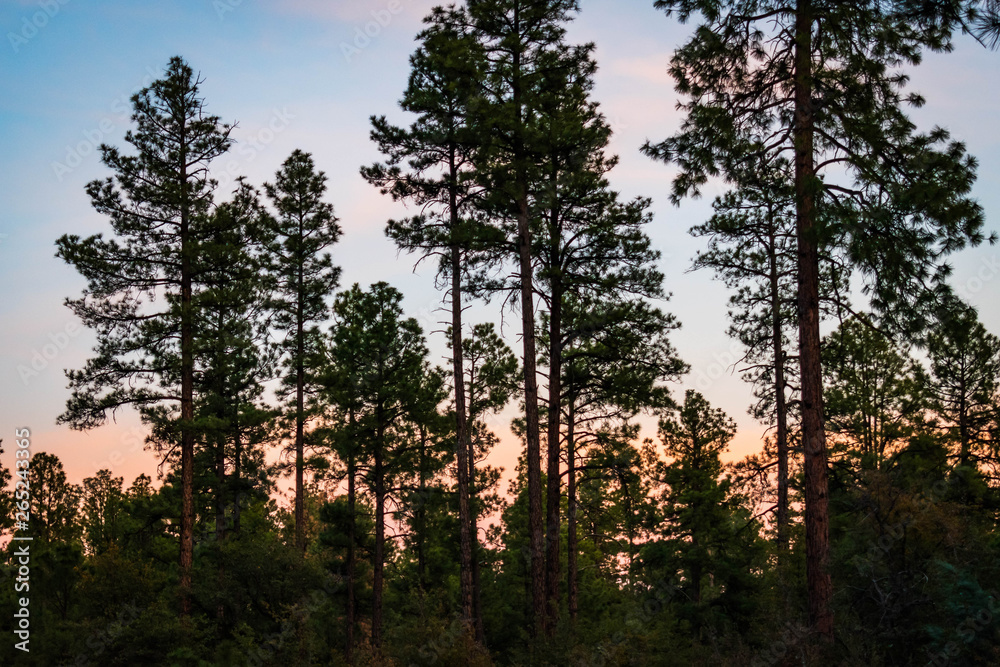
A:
x,y
308,74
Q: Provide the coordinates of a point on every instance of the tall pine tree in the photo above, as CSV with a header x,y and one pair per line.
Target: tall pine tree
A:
x,y
304,228
818,80
428,164
965,382
377,368
145,354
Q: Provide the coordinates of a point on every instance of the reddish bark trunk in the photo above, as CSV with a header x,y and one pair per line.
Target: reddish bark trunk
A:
x,y
526,277
819,585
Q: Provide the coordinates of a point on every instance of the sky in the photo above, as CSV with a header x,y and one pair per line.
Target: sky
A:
x,y
308,74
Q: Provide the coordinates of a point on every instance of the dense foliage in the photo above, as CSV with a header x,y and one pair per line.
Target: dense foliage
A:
x,y
865,531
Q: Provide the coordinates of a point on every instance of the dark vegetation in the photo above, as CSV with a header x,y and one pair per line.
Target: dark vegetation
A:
x,y
864,532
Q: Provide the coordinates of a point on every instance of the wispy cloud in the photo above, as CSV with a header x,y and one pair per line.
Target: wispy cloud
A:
x,y
357,10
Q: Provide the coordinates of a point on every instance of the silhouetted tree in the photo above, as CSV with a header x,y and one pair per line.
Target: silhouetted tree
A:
x,y
428,164
145,354
965,382
815,79
304,228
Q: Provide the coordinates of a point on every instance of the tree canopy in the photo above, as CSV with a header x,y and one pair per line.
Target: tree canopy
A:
x,y
328,494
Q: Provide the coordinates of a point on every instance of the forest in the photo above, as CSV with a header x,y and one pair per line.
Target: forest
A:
x,y
865,529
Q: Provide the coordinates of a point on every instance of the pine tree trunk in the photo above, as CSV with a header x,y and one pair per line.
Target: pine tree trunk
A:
x,y
220,477
421,515
220,517
379,556
220,446
963,422
187,396
696,575
780,407
526,275
477,602
237,471
462,439
555,400
819,585
533,448
300,520
352,538
571,545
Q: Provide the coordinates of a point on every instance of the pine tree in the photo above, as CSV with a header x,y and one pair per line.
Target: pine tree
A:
x,y
491,380
342,395
544,171
985,20
874,393
304,228
617,355
965,382
430,434
818,80
55,503
979,18
590,245
377,368
145,354
436,151
706,537
521,40
8,496
102,509
752,250
615,464
571,198
233,359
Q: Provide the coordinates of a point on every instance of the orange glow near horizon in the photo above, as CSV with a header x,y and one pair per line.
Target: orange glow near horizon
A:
x,y
119,446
